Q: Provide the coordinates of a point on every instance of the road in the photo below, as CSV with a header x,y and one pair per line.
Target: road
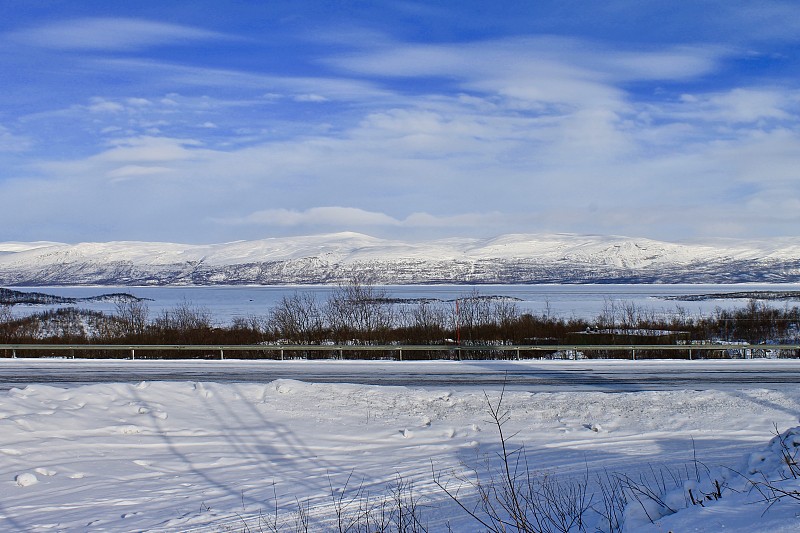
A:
x,y
533,376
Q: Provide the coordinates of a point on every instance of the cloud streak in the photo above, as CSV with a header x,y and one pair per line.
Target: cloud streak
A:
x,y
350,217
111,34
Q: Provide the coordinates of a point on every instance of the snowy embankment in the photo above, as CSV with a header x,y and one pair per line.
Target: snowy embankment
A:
x,y
182,456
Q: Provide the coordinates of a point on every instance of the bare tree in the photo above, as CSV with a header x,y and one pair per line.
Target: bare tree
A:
x,y
474,311
359,309
297,318
425,320
7,328
185,316
505,312
631,315
131,317
607,320
184,323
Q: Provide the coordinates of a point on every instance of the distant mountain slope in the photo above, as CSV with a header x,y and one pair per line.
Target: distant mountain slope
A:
x,y
560,258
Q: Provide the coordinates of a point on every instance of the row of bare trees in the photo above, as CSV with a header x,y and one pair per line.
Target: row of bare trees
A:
x,y
361,313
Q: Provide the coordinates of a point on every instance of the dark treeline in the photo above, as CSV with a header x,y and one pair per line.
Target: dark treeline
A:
x,y
360,313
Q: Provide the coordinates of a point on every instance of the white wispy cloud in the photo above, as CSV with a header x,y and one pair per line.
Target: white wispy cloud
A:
x,y
740,105
10,142
351,217
544,69
125,158
149,149
175,76
760,22
310,98
136,171
317,216
110,34
101,105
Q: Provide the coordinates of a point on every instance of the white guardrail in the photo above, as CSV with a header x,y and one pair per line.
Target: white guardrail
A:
x,y
356,351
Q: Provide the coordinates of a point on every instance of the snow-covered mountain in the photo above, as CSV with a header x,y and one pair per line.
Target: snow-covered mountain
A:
x,y
559,258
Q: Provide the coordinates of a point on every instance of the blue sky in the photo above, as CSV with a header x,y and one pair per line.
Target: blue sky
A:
x,y
211,121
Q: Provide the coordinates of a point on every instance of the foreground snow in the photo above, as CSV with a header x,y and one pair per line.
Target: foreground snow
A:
x,y
168,456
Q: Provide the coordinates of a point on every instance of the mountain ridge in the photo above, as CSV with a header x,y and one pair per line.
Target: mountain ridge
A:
x,y
334,258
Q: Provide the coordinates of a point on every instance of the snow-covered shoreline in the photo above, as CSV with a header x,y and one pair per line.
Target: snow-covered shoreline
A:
x,y
180,456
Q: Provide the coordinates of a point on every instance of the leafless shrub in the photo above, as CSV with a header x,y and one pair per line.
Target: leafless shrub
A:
x,y
659,490
397,510
359,309
5,314
611,503
353,509
514,497
131,317
772,492
780,484
425,321
789,443
297,318
184,317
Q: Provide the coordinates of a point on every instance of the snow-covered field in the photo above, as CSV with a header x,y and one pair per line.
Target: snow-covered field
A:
x,y
193,456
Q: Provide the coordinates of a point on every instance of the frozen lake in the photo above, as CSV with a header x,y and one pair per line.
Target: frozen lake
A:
x,y
564,301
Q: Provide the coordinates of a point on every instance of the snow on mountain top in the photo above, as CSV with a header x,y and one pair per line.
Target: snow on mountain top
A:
x,y
348,247
775,248
137,252
320,258
13,247
285,248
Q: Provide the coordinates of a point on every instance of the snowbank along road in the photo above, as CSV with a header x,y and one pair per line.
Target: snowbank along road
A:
x,y
532,376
